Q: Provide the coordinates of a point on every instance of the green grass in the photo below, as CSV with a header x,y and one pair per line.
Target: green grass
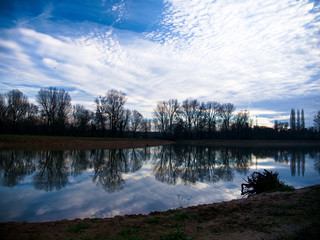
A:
x,y
78,228
153,221
184,216
129,234
175,236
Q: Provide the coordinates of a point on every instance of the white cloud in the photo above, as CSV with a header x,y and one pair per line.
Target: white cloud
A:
x,y
235,51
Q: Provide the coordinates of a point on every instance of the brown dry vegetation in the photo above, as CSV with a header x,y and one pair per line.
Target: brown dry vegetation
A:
x,y
252,143
280,215
61,143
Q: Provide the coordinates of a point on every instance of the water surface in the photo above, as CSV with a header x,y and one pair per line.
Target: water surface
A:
x,y
53,185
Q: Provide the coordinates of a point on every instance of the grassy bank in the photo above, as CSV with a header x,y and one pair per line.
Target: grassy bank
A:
x,y
60,142
251,143
280,215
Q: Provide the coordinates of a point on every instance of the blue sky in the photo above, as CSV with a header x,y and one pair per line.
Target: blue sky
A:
x,y
263,56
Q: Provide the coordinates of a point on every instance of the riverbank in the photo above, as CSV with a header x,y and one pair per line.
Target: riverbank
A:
x,y
61,143
280,215
252,143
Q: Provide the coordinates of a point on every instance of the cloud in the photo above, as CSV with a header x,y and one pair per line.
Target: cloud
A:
x,y
229,51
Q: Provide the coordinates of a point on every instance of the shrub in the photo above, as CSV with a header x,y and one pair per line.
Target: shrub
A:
x,y
263,182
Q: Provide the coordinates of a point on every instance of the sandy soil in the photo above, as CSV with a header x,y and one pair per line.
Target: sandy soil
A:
x,y
285,215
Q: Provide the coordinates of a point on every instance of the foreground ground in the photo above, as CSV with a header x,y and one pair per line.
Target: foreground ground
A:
x,y
286,215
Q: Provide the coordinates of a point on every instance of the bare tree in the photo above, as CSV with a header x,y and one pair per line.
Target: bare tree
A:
x,y
146,126
124,120
189,113
18,106
55,106
136,122
3,108
241,124
316,121
225,113
81,117
111,109
165,114
212,114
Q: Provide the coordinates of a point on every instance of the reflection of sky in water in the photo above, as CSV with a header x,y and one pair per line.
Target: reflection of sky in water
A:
x,y
142,192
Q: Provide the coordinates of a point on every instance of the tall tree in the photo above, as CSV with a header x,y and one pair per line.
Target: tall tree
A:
x,y
17,105
165,115
55,106
316,121
225,113
298,120
293,120
81,117
212,114
302,120
136,122
146,126
124,120
111,108
3,108
189,113
241,120
18,109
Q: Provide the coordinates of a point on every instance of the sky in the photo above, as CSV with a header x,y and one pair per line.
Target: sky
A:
x,y
262,56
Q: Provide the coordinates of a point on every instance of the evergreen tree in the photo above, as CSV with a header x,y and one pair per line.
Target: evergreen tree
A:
x,y
302,120
298,120
293,120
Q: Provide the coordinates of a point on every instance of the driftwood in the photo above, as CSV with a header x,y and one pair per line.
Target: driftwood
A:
x,y
262,182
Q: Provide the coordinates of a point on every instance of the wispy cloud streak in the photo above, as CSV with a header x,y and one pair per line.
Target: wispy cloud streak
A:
x,y
238,51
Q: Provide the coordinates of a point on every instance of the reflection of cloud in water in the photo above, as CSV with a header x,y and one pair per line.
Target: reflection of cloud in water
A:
x,y
172,177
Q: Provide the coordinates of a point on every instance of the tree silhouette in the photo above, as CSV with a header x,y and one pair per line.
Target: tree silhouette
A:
x,y
110,110
55,106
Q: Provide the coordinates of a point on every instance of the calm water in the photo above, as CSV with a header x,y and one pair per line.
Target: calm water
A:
x,y
54,185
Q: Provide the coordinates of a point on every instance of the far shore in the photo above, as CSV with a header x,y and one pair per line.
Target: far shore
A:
x,y
252,143
61,143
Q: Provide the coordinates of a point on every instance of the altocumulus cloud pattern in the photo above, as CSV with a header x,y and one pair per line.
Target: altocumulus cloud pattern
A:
x,y
263,56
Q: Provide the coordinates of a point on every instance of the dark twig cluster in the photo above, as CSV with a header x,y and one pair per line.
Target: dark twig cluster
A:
x,y
263,182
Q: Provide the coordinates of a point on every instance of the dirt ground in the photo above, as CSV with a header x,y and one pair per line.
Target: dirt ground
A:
x,y
280,215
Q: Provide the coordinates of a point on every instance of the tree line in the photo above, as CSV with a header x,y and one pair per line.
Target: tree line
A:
x,y
191,119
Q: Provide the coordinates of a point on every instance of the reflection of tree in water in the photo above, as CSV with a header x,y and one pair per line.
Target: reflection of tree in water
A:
x,y
137,157
316,156
297,163
187,164
15,165
79,161
107,166
52,171
110,164
165,169
192,164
